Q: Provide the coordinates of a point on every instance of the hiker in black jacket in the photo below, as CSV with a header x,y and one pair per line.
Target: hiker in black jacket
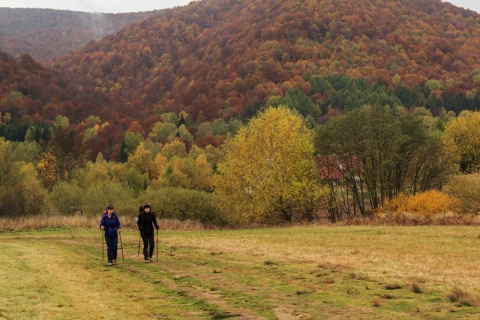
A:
x,y
146,221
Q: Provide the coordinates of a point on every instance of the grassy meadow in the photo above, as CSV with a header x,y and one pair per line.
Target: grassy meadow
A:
x,y
316,272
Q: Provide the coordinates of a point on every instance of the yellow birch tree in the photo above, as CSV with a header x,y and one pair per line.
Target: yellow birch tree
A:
x,y
463,131
203,173
269,174
142,161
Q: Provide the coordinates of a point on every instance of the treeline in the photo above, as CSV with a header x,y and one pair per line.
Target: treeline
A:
x,y
55,175
275,169
157,109
30,104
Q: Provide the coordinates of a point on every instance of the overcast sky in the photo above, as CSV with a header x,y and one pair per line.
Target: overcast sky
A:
x,y
116,6
106,6
467,4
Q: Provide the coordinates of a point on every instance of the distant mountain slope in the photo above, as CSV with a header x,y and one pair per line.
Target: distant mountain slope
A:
x,y
45,34
223,58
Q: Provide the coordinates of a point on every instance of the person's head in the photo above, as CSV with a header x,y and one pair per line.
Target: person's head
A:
x,y
110,208
146,208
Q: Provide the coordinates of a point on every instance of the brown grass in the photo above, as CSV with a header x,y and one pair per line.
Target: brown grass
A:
x,y
45,222
316,272
8,224
412,219
84,221
462,298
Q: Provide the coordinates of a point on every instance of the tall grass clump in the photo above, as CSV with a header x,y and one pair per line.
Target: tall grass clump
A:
x,y
72,221
25,223
462,298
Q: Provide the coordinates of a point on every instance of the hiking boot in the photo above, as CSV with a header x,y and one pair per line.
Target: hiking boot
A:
x,y
114,262
109,263
146,261
151,260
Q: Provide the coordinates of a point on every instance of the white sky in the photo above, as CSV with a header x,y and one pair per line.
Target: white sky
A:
x,y
467,4
116,6
105,6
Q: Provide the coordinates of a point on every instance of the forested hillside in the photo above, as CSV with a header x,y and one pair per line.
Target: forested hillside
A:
x,y
226,58
45,34
370,100
221,60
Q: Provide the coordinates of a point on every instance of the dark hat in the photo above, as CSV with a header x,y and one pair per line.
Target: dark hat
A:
x,y
110,206
146,206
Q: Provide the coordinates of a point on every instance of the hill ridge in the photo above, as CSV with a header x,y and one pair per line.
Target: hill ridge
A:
x,y
47,33
181,54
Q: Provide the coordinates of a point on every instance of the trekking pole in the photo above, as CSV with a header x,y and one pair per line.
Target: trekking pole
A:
x,y
103,259
139,238
121,246
157,245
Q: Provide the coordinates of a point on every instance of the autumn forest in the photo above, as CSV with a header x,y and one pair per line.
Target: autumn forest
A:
x,y
240,111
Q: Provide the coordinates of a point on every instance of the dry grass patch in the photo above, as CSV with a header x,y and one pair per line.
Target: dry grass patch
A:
x,y
393,286
415,219
84,221
47,222
247,274
377,302
463,299
417,288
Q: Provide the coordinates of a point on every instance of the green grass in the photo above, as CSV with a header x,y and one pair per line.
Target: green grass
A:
x,y
324,272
